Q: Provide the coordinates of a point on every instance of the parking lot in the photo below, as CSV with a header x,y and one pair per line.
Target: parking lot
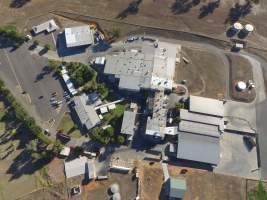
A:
x,y
31,81
236,158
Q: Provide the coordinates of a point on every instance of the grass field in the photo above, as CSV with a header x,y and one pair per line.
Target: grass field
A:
x,y
68,127
19,173
205,73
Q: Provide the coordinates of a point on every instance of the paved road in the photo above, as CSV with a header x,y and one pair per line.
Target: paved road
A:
x,y
23,72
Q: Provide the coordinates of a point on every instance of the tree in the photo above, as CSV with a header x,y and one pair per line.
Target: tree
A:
x,y
115,32
35,43
120,139
47,46
109,131
260,193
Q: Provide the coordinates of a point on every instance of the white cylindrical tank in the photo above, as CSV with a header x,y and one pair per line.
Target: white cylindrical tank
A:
x,y
116,196
114,188
249,28
237,26
241,85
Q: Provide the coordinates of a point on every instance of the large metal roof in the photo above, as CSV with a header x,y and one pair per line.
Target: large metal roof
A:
x,y
201,118
79,166
86,113
79,36
206,106
200,129
198,148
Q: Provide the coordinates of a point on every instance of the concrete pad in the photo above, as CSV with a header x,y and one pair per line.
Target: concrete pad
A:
x,y
236,159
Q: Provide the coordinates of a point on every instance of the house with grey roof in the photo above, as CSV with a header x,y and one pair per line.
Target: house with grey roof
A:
x,y
86,112
128,126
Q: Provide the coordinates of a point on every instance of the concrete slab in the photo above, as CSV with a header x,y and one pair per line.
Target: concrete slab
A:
x,y
236,159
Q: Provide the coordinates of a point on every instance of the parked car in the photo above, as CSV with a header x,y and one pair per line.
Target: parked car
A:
x,y
63,137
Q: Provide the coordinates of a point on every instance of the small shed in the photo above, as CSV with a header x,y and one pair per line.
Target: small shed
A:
x,y
103,110
65,152
112,106
177,188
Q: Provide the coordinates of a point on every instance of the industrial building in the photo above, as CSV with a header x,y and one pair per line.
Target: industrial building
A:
x,y
200,129
79,36
85,111
146,68
177,188
48,27
80,166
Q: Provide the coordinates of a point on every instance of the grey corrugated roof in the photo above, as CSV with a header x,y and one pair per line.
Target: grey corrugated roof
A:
x,y
128,123
177,188
78,36
206,106
206,119
86,113
198,148
198,128
79,166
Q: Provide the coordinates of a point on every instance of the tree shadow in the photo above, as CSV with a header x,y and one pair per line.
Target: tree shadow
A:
x,y
239,11
24,164
132,9
18,3
205,10
183,6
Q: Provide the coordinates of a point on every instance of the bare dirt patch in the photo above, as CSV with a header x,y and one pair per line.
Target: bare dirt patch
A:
x,y
201,184
100,189
205,73
240,70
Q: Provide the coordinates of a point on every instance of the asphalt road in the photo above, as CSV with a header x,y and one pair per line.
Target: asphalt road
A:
x,y
26,73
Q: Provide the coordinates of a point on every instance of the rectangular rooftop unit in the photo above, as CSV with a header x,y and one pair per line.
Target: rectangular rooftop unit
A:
x,y
79,36
206,106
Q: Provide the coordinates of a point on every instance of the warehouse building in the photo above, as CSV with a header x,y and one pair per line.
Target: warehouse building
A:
x,y
79,36
144,68
200,129
86,112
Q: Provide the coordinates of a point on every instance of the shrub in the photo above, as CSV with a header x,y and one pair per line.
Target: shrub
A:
x,y
120,139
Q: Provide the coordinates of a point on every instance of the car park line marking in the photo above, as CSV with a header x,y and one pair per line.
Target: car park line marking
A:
x,y
54,40
12,69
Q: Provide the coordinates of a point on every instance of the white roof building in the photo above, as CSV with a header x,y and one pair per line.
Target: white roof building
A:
x,y
80,166
79,36
48,26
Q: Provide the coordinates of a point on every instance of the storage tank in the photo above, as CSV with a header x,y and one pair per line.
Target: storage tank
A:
x,y
249,28
241,85
116,196
237,26
114,188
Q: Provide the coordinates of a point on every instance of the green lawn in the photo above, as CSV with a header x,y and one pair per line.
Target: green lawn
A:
x,y
68,127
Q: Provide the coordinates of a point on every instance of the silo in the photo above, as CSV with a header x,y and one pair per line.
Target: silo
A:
x,y
114,188
237,27
248,28
241,86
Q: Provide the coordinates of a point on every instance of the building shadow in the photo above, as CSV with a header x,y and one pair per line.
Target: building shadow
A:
x,y
63,50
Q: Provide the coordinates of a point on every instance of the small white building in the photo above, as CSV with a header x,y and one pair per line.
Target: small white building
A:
x,y
79,36
48,26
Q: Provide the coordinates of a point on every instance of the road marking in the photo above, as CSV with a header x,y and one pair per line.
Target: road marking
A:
x,y
12,69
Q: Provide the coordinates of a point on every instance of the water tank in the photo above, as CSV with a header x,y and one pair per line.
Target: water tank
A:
x,y
249,28
237,26
241,85
114,188
116,196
